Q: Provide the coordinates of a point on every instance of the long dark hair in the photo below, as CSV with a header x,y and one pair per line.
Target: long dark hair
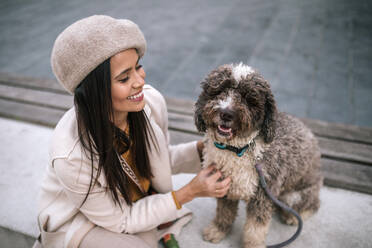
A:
x,y
99,136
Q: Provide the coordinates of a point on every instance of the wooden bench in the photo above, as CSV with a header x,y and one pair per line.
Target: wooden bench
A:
x,y
346,149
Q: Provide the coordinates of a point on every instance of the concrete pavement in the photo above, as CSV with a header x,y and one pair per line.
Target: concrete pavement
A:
x,y
316,54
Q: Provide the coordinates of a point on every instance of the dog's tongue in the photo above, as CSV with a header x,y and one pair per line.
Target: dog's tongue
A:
x,y
225,130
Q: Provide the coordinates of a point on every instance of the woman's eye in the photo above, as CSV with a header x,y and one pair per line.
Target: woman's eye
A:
x,y
124,79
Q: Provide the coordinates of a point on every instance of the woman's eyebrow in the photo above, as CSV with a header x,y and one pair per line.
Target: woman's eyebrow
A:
x,y
126,70
121,73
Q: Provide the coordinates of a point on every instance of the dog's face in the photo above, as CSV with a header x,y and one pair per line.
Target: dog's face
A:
x,y
235,101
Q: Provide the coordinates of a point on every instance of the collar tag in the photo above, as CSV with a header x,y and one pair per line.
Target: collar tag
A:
x,y
220,145
242,151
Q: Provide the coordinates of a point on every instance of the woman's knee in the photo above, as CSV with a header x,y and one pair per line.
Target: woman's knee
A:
x,y
100,237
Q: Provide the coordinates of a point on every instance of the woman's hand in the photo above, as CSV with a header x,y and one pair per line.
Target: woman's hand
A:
x,y
206,184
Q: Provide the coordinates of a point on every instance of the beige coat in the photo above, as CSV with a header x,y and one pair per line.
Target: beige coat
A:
x,y
63,224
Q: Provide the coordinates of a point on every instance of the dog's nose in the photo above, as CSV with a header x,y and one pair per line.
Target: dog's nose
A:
x,y
226,114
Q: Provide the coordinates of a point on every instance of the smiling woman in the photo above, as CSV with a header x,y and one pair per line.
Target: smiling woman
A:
x,y
108,182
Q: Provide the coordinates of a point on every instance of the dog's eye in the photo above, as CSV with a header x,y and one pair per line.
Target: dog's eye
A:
x,y
218,87
213,92
243,100
250,100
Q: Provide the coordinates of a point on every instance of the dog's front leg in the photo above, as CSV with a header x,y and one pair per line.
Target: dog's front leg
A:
x,y
221,225
259,212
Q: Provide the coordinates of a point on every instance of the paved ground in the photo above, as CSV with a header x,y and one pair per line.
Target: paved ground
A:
x,y
316,53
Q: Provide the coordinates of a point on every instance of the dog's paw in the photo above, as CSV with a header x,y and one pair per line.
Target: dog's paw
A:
x,y
213,234
290,219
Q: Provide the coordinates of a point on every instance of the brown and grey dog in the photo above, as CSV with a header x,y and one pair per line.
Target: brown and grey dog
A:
x,y
236,109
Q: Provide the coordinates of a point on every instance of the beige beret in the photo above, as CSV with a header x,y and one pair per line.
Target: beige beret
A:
x,y
85,44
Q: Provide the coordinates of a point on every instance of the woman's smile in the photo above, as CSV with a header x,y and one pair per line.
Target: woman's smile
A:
x,y
136,97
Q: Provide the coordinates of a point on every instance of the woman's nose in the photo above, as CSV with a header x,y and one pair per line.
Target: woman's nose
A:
x,y
140,79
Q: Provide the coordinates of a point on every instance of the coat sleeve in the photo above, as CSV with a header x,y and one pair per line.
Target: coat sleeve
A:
x,y
145,214
184,157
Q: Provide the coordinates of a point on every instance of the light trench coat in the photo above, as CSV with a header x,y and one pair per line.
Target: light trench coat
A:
x,y
63,223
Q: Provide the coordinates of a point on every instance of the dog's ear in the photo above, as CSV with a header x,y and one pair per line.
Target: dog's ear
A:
x,y
268,128
212,85
198,115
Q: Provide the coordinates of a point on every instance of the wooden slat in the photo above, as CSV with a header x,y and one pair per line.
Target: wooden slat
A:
x,y
32,83
340,131
347,175
181,106
345,150
41,98
180,137
183,123
30,113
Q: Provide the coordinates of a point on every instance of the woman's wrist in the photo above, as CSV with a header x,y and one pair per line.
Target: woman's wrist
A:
x,y
184,194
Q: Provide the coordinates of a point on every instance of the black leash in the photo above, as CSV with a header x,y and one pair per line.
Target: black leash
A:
x,y
282,206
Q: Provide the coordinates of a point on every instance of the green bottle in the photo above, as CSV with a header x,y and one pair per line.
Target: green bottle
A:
x,y
169,241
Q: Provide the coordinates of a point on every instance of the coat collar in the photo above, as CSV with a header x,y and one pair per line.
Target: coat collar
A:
x,y
147,110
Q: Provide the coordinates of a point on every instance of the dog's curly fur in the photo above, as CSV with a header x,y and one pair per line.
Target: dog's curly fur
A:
x,y
235,107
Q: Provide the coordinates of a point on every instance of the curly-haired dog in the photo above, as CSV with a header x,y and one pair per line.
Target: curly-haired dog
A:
x,y
237,111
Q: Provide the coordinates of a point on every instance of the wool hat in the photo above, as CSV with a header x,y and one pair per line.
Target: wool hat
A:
x,y
85,44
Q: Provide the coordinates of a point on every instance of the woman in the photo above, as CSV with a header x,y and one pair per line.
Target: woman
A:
x,y
110,153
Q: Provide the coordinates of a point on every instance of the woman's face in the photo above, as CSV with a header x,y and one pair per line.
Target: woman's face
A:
x,y
127,81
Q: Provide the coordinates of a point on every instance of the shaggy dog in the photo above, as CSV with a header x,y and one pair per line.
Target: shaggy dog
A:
x,y
237,109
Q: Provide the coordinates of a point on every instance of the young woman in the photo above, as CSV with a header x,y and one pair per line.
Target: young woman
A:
x,y
108,182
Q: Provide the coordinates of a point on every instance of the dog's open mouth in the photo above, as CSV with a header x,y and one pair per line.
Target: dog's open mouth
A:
x,y
224,130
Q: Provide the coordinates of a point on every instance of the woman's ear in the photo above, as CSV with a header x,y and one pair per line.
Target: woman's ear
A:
x,y
268,129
